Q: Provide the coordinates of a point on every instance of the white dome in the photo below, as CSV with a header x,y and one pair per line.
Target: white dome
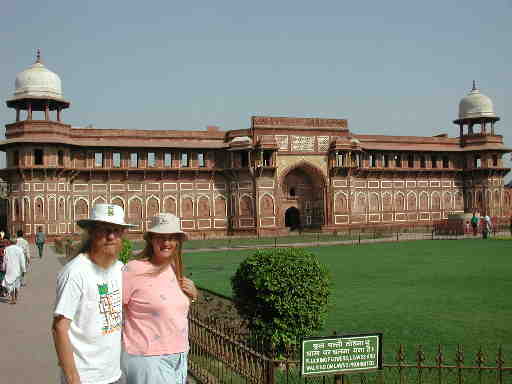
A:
x,y
476,104
39,82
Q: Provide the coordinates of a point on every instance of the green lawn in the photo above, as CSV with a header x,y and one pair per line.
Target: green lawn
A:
x,y
421,292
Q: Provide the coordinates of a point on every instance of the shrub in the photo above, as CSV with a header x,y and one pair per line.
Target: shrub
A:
x,y
126,253
282,294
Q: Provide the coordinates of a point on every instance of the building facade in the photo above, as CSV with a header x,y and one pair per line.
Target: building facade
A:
x,y
280,174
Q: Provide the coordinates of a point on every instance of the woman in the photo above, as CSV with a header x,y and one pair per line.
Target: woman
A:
x,y
156,300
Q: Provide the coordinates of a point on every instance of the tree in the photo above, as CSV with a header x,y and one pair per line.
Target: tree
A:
x,y
282,294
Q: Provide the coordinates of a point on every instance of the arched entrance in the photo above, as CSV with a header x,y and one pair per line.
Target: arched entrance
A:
x,y
302,196
292,218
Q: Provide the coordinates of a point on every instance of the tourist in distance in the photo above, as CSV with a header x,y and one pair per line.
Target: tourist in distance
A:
x,y
23,244
156,299
487,226
88,311
474,224
40,239
14,268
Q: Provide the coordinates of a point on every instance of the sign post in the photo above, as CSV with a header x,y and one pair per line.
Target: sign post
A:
x,y
341,354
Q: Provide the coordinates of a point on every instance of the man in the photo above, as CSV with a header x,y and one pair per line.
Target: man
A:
x,y
14,267
23,244
40,239
487,226
88,314
474,224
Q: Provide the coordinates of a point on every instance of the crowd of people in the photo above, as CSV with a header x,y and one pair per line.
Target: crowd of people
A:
x,y
124,324
15,260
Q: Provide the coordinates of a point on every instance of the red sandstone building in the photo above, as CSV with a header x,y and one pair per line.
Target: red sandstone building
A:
x,y
280,173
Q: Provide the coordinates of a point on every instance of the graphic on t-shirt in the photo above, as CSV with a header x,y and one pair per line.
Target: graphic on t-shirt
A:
x,y
110,308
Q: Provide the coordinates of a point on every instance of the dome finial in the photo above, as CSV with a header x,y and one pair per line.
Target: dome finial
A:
x,y
38,55
474,85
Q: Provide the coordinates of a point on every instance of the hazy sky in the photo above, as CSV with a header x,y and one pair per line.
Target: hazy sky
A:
x,y
394,67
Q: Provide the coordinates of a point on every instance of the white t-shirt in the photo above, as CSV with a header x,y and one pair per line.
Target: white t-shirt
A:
x,y
90,296
23,244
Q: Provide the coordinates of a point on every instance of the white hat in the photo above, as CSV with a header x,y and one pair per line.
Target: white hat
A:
x,y
166,223
105,213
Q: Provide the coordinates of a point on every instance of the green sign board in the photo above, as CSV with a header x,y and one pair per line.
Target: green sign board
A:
x,y
341,354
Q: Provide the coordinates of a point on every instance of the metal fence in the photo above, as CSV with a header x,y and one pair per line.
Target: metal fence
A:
x,y
218,354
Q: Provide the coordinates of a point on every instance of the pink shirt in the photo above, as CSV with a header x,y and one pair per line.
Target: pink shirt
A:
x,y
156,310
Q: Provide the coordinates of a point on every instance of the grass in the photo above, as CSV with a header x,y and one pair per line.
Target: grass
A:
x,y
422,292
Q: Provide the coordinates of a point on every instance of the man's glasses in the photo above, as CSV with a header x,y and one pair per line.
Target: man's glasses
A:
x,y
104,230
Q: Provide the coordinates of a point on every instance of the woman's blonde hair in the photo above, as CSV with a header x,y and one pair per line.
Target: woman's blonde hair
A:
x,y
174,261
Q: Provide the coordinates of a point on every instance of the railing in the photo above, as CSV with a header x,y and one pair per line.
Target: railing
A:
x,y
219,354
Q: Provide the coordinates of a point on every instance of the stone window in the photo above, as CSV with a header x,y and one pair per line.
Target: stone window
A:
x,y
184,159
410,161
38,156
168,159
478,161
267,158
200,159
98,159
373,161
494,160
423,162
398,161
446,162
60,156
116,159
134,160
434,161
386,161
151,159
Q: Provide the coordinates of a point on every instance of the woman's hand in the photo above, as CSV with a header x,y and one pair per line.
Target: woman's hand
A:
x,y
189,288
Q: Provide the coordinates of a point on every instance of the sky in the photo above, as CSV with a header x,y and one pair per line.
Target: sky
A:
x,y
397,67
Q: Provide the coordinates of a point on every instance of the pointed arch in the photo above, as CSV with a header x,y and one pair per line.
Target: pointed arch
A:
x,y
424,201
412,201
187,207
245,206
374,202
220,206
435,201
447,201
152,206
387,201
26,210
267,206
340,202
61,209
399,201
170,205
203,206
119,201
81,208
39,208
99,200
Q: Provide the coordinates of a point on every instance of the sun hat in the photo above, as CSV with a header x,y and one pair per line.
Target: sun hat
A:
x,y
166,223
105,213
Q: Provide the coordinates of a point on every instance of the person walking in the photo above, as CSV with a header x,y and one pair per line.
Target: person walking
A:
x,y
156,299
88,310
40,240
487,226
23,244
14,267
474,224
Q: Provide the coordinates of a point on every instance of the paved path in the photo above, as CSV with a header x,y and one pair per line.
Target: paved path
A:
x,y
26,346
